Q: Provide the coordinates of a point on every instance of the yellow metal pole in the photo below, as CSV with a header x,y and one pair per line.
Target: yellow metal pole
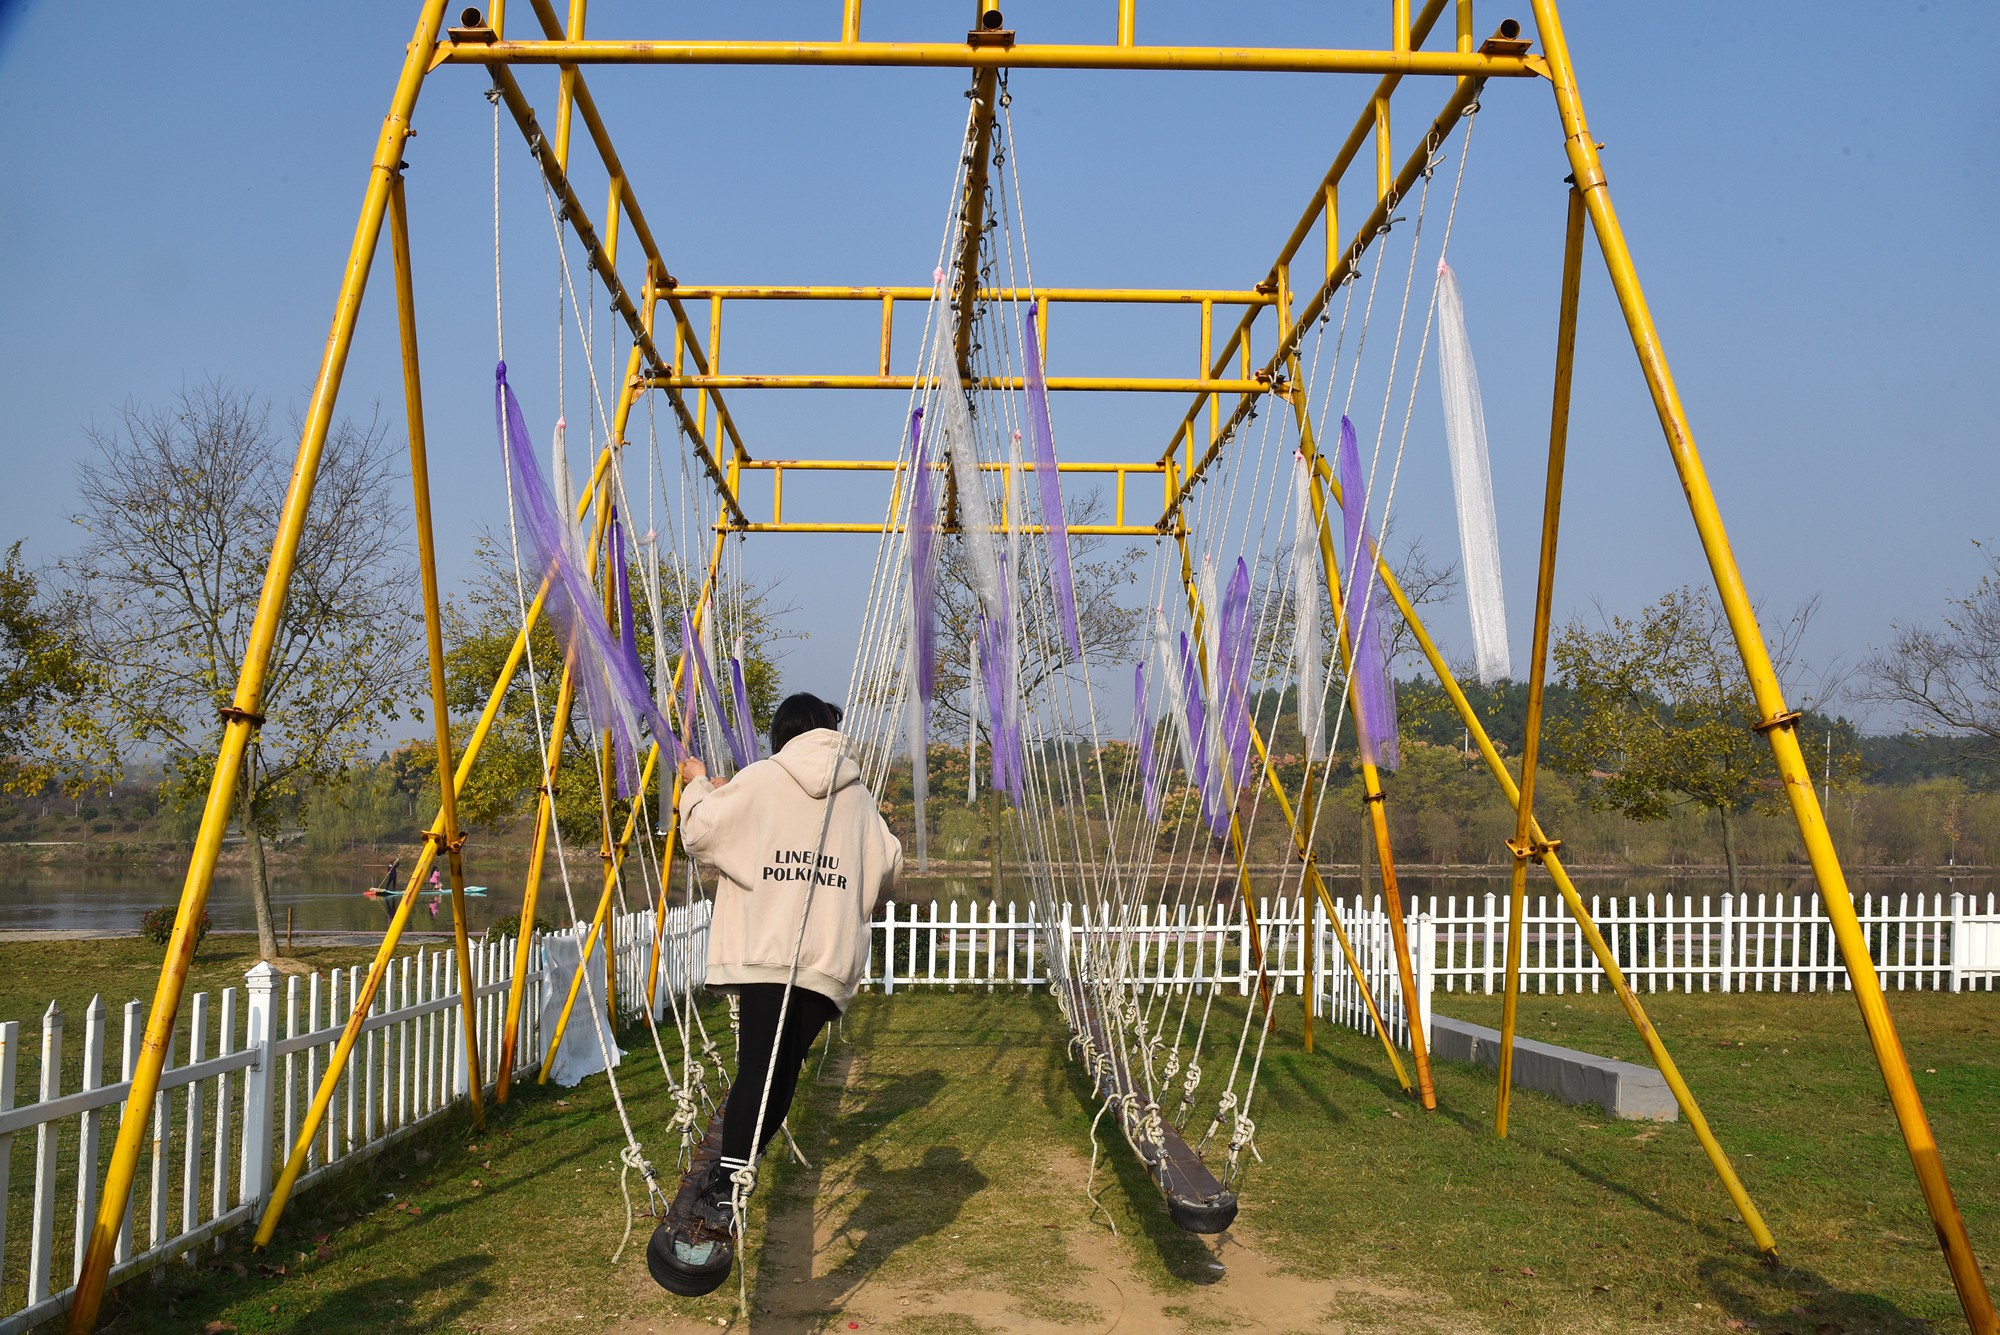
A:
x,y
613,861
673,828
567,95
1371,780
1197,616
420,485
1021,55
1127,22
242,716
1600,949
1779,722
850,21
1522,844
532,884
565,695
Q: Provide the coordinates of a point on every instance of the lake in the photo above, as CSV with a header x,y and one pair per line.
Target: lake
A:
x,y
327,897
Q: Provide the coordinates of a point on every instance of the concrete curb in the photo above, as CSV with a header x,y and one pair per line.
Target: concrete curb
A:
x,y
1623,1089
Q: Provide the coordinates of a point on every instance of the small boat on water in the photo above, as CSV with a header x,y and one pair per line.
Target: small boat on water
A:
x,y
476,891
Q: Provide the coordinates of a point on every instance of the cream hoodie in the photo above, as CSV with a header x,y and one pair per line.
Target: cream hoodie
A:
x,y
760,831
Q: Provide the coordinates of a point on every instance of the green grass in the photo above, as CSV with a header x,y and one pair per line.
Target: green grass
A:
x,y
950,1139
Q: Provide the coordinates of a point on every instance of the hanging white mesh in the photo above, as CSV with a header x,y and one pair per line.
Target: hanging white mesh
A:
x,y
1472,483
1305,623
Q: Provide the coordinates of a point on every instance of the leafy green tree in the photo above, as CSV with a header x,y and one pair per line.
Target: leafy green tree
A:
x,y
180,507
50,732
1661,716
480,627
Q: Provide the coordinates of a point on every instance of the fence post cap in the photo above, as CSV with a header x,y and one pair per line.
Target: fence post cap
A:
x,y
95,1010
263,977
53,1015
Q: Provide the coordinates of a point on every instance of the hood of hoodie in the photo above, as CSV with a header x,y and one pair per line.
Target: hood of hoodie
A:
x,y
808,758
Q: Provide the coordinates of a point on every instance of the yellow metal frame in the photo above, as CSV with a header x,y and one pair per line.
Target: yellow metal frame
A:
x,y
687,373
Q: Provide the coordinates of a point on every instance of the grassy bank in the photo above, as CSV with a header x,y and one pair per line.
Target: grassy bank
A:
x,y
951,1147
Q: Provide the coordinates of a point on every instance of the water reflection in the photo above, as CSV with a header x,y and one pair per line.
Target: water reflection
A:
x,y
328,897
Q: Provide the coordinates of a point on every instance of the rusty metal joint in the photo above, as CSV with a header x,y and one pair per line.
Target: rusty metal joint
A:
x,y
1787,719
1376,797
232,714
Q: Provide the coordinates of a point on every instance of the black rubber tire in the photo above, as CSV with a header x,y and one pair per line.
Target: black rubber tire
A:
x,y
674,1275
1211,1214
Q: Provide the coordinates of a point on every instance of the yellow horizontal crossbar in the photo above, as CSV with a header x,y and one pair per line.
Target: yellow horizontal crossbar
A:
x,y
959,55
1135,296
1130,384
1119,527
1075,530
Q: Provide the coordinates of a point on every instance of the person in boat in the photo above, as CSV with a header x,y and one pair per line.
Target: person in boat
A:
x,y
389,876
796,885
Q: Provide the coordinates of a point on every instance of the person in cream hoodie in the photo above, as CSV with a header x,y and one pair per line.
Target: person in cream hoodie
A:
x,y
795,840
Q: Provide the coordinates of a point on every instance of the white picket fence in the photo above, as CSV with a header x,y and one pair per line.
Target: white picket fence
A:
x,y
228,1112
237,1083
1943,941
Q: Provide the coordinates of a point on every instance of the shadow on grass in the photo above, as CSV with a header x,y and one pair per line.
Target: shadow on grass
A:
x,y
884,1211
1782,1298
1185,1256
450,1290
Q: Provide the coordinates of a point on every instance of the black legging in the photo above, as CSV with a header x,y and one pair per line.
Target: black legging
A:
x,y
757,1024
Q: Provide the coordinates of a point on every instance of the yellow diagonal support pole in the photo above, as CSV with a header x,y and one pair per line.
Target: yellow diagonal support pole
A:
x,y
420,486
681,668
1778,721
545,811
244,711
1546,853
1522,844
1371,779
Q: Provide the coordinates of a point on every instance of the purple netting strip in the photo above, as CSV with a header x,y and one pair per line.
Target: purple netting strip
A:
x,y
627,762
707,678
1232,687
923,560
993,666
1056,525
1374,689
746,728
1197,726
1149,779
691,691
614,688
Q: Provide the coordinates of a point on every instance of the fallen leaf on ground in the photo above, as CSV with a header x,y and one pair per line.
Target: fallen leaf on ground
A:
x,y
325,1252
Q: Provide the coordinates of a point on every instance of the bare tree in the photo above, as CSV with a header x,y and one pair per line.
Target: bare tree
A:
x,y
1107,627
181,506
1946,678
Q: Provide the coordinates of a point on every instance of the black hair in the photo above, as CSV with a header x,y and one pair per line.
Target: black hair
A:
x,y
801,713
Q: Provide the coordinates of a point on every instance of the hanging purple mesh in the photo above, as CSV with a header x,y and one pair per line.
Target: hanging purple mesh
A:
x,y
1142,723
1232,686
923,560
1197,726
615,691
625,759
993,665
714,697
1374,688
1046,474
746,728
690,691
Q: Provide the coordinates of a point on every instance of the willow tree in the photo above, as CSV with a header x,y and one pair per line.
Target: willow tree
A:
x,y
180,505
1661,717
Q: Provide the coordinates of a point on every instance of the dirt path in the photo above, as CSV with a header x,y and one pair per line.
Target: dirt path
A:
x,y
942,1236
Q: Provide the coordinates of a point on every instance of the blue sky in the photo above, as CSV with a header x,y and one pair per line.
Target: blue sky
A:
x,y
1809,203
